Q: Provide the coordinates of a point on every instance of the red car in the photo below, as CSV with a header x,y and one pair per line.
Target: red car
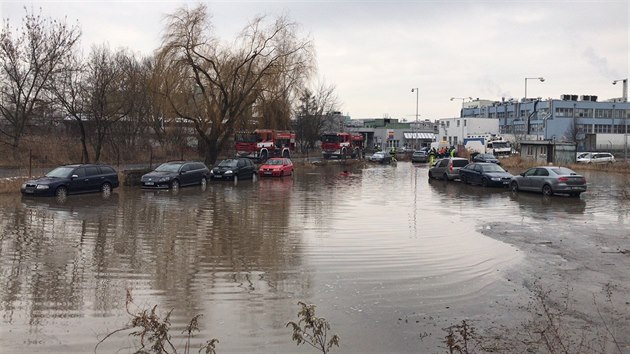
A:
x,y
278,166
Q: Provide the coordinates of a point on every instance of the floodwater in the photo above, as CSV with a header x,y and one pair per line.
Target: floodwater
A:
x,y
388,257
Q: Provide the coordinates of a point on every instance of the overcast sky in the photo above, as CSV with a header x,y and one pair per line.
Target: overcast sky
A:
x,y
375,52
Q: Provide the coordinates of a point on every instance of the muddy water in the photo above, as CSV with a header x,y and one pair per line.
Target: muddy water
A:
x,y
389,258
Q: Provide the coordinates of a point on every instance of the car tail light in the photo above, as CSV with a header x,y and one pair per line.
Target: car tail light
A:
x,y
450,167
563,179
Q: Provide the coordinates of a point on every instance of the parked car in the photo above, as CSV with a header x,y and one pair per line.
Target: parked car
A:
x,y
596,157
485,174
380,157
447,169
278,167
73,179
582,154
549,180
420,156
176,174
486,158
235,169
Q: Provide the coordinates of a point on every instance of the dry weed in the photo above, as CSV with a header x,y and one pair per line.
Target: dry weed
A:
x,y
153,332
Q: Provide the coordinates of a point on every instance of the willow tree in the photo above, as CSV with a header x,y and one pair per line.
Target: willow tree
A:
x,y
218,87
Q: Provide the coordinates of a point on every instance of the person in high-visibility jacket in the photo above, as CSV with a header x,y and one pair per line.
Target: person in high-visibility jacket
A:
x,y
431,156
392,152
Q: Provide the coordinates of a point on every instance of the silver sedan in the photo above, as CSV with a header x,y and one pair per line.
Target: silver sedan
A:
x,y
549,180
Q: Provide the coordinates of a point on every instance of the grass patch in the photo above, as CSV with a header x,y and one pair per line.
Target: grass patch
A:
x,y
12,184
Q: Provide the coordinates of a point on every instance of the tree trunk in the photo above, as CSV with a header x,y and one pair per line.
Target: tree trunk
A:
x,y
85,156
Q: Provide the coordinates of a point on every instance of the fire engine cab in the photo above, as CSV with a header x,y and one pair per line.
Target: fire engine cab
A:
x,y
262,144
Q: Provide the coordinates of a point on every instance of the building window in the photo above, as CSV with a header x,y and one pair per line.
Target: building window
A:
x,y
602,128
454,140
603,113
448,123
564,112
458,123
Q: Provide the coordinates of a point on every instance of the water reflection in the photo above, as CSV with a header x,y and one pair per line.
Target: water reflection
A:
x,y
547,207
368,248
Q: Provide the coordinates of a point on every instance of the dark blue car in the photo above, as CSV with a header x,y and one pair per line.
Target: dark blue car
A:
x,y
486,158
177,174
485,174
73,179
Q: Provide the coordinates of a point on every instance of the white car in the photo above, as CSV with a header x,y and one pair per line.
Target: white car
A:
x,y
596,157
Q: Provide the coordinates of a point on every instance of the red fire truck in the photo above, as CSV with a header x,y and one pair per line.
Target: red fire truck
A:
x,y
342,145
262,144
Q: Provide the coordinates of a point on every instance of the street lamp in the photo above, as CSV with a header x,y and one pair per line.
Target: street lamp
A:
x,y
417,93
541,79
625,122
416,126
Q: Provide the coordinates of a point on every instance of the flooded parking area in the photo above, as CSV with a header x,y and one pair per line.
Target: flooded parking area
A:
x,y
388,256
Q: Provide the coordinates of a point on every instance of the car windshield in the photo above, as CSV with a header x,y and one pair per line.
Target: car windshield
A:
x,y
228,163
168,167
378,154
274,162
492,168
330,138
563,171
60,172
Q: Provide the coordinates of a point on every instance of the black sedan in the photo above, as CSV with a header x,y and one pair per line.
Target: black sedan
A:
x,y
234,169
73,179
485,174
175,174
486,158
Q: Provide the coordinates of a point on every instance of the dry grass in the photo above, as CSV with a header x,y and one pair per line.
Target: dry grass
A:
x,y
12,184
61,149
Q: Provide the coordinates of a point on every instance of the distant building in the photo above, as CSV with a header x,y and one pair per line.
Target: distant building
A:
x,y
548,152
388,133
570,118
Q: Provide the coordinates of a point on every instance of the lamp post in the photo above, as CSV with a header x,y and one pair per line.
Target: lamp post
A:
x,y
416,124
417,93
624,95
462,114
541,79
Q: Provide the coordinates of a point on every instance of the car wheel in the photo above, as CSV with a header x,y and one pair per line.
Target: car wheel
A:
x,y
106,189
204,182
61,192
430,175
546,190
175,184
445,177
484,182
514,187
463,179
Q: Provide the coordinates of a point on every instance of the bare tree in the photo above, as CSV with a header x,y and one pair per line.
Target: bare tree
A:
x,y
314,114
29,57
216,87
108,85
68,90
573,132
